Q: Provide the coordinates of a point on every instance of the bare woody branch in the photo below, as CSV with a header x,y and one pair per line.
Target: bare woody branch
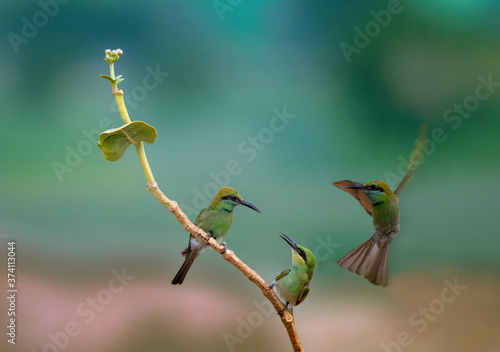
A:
x,y
286,318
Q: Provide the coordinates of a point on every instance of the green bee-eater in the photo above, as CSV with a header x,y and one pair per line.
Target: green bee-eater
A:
x,y
216,220
382,204
292,285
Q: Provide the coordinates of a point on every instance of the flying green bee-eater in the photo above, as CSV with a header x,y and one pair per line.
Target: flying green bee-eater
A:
x,y
382,204
216,220
292,285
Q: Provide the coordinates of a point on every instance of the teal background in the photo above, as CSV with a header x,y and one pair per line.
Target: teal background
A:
x,y
227,77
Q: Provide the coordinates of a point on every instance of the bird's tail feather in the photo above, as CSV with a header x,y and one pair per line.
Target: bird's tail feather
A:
x,y
369,259
191,255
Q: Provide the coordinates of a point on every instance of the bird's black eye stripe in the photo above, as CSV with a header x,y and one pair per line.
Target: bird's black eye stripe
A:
x,y
302,253
231,197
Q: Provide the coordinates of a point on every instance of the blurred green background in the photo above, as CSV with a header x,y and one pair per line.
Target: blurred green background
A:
x,y
356,80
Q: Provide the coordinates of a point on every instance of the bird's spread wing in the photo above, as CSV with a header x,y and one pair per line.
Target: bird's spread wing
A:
x,y
303,295
283,273
356,193
416,155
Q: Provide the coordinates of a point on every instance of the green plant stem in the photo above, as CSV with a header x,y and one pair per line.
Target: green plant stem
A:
x,y
118,94
112,74
141,153
120,103
122,109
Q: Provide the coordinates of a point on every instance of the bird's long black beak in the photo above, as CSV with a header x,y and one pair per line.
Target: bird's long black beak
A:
x,y
355,186
250,205
289,241
294,246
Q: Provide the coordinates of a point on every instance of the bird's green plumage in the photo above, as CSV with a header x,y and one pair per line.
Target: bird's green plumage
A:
x,y
216,220
370,258
292,285
385,206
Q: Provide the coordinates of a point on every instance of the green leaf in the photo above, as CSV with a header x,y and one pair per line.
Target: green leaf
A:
x,y
117,80
108,78
114,142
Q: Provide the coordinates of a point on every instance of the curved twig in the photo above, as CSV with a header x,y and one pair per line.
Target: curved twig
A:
x,y
286,318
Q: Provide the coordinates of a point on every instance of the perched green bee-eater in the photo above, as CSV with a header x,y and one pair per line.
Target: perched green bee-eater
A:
x,y
216,220
292,285
382,204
